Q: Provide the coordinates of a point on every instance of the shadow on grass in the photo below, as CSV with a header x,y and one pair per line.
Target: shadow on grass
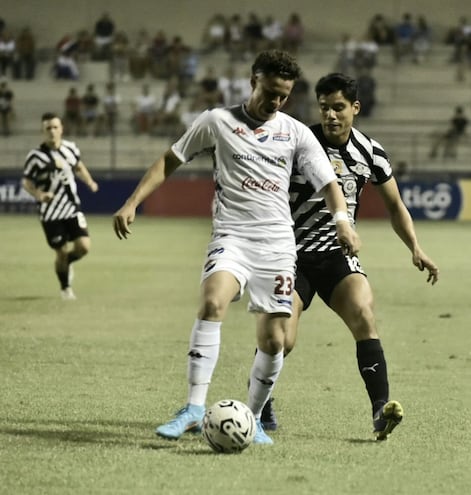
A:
x,y
24,298
130,434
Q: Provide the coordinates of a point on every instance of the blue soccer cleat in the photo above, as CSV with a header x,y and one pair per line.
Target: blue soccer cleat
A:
x,y
187,419
386,419
260,436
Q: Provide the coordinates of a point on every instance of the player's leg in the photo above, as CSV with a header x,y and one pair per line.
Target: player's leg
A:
x,y
218,289
352,300
271,298
268,417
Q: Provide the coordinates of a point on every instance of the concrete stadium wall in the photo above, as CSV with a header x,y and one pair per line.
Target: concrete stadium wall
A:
x,y
52,19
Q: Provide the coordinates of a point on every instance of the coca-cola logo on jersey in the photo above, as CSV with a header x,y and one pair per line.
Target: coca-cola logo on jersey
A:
x,y
262,185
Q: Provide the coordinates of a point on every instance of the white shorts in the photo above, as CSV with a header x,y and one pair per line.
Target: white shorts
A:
x,y
267,274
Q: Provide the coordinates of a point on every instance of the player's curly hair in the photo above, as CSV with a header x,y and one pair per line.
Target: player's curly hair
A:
x,y
277,63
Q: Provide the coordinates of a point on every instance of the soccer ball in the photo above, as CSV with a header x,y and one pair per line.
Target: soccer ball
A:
x,y
229,426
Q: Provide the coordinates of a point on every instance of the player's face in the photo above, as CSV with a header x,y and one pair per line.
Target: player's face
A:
x,y
337,114
269,94
52,130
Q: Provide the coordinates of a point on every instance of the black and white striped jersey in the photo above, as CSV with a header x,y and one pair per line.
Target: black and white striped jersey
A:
x,y
53,171
359,160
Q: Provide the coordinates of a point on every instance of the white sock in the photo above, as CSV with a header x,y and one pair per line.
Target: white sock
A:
x,y
264,373
202,358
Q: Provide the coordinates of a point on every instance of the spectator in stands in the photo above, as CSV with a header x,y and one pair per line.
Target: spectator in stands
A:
x,y
120,51
272,32
177,53
215,33
346,50
72,119
208,95
90,110
144,108
253,34
450,139
457,36
299,103
235,89
380,31
157,54
24,65
139,57
405,32
293,33
111,104
85,45
103,37
6,107
422,40
65,65
167,120
365,57
235,38
7,52
366,91
188,70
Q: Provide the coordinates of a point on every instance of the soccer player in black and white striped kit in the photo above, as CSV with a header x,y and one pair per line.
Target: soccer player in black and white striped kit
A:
x,y
49,176
322,267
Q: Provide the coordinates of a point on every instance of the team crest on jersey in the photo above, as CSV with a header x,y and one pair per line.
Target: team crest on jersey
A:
x,y
337,165
261,134
281,136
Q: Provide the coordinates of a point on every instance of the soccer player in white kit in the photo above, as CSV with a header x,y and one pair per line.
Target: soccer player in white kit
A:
x,y
253,147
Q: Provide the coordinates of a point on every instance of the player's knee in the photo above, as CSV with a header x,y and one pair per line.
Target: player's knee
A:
x,y
212,309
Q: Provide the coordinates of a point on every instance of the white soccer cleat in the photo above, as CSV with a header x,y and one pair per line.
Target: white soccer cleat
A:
x,y
68,294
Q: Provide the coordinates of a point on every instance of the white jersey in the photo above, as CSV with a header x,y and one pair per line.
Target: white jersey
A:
x,y
252,168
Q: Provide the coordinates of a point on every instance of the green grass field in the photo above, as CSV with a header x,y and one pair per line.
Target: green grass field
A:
x,y
83,384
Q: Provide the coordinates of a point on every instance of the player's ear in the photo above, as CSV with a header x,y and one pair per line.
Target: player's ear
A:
x,y
356,107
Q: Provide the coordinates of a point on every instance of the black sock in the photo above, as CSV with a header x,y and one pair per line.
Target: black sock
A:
x,y
63,279
373,370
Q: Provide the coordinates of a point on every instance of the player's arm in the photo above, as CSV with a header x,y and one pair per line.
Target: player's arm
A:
x,y
403,225
38,194
346,235
84,175
152,179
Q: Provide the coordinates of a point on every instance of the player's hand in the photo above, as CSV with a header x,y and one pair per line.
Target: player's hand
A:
x,y
348,238
423,262
45,196
122,219
93,186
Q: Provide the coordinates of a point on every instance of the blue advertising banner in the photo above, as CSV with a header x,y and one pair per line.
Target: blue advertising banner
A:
x,y
432,200
111,195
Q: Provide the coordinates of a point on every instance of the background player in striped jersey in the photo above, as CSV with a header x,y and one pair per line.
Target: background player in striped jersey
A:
x,y
253,147
322,268
49,176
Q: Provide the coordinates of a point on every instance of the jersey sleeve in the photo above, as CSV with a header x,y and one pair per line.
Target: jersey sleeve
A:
x,y
312,161
199,138
381,169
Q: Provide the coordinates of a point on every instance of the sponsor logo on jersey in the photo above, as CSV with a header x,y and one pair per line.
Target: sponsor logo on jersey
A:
x,y
261,135
261,185
281,136
337,165
285,302
281,161
238,131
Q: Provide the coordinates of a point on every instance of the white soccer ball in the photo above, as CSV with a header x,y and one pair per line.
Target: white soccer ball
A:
x,y
229,426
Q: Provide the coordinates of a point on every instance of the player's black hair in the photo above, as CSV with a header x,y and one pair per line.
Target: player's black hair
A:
x,y
49,116
335,81
277,63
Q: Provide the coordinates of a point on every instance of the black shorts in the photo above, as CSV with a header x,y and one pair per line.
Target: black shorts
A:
x,y
321,272
59,232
